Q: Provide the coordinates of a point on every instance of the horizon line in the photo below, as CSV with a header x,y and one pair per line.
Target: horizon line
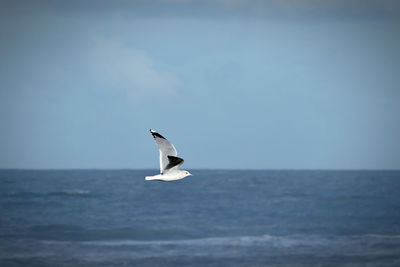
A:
x,y
202,169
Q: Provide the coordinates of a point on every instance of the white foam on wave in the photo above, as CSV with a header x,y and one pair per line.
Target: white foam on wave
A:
x,y
213,241
76,192
252,246
383,236
264,241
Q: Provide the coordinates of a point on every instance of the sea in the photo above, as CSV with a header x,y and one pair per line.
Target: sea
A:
x,y
215,218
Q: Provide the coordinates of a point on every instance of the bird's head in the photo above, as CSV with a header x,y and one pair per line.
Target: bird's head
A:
x,y
188,173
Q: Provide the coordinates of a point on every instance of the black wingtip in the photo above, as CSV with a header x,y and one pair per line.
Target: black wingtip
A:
x,y
155,134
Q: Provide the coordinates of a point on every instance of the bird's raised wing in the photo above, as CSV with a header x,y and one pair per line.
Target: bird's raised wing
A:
x,y
174,163
166,149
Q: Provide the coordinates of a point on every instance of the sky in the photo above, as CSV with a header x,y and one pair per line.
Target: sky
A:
x,y
231,83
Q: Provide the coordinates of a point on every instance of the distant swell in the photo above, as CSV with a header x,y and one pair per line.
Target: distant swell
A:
x,y
264,250
27,194
251,246
264,240
75,192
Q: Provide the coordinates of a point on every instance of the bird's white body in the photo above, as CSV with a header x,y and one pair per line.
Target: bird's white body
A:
x,y
169,176
169,162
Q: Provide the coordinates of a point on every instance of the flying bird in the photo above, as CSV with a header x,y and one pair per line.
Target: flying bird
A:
x,y
169,162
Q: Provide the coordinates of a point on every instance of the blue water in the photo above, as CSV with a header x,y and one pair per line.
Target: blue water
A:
x,y
215,218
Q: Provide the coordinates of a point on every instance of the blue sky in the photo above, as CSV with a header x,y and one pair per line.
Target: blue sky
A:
x,y
233,84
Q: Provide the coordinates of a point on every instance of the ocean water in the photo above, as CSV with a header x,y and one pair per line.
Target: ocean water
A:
x,y
215,218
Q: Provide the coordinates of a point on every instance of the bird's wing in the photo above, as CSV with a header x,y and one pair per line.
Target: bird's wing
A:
x,y
166,149
174,163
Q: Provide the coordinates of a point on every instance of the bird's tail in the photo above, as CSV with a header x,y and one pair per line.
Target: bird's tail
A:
x,y
148,178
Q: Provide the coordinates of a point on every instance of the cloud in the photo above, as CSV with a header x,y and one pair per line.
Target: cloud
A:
x,y
131,70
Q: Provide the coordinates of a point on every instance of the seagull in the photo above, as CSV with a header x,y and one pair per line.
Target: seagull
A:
x,y
169,162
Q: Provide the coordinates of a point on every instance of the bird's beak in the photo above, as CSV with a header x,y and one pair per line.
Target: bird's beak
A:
x,y
191,174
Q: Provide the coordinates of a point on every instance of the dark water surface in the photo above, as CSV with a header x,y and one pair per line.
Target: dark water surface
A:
x,y
216,218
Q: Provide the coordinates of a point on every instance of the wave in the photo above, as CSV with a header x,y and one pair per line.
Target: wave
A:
x,y
59,228
73,192
264,240
289,249
28,194
383,236
250,250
